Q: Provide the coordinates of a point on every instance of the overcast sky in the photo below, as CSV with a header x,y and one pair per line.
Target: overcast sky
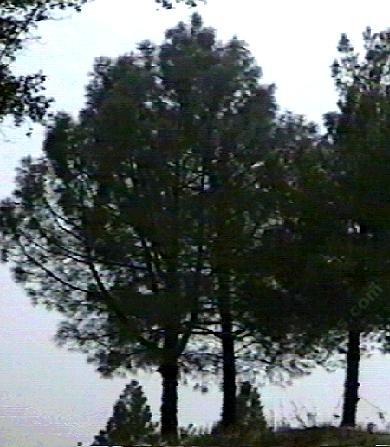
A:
x,y
50,397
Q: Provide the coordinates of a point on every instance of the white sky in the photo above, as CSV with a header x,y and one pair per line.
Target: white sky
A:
x,y
52,398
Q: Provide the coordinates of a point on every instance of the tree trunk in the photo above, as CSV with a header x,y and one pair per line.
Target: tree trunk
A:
x,y
169,370
229,378
351,386
169,424
229,413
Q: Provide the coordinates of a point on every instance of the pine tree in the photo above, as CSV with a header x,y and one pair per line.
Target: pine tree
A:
x,y
131,421
250,424
121,220
250,416
23,96
359,134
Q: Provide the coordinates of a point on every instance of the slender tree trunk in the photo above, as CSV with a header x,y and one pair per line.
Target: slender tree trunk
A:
x,y
351,386
169,370
229,415
169,422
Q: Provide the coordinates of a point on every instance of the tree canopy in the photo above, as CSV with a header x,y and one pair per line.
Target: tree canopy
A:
x,y
359,133
180,208
23,96
120,221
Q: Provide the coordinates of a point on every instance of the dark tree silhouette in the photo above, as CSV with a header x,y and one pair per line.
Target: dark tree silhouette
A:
x,y
249,409
360,135
131,421
22,96
119,223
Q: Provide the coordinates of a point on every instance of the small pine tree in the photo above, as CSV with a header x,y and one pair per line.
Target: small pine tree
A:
x,y
250,414
131,421
251,423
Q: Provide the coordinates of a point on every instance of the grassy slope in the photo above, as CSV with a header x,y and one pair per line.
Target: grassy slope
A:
x,y
316,437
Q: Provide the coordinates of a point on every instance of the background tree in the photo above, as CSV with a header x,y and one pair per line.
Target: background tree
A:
x,y
242,141
261,315
250,424
22,96
333,211
249,409
323,277
131,421
234,123
317,278
360,135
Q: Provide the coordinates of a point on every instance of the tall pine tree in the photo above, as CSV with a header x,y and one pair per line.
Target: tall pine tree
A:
x,y
122,220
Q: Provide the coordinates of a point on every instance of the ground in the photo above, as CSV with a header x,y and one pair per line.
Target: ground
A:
x,y
329,436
